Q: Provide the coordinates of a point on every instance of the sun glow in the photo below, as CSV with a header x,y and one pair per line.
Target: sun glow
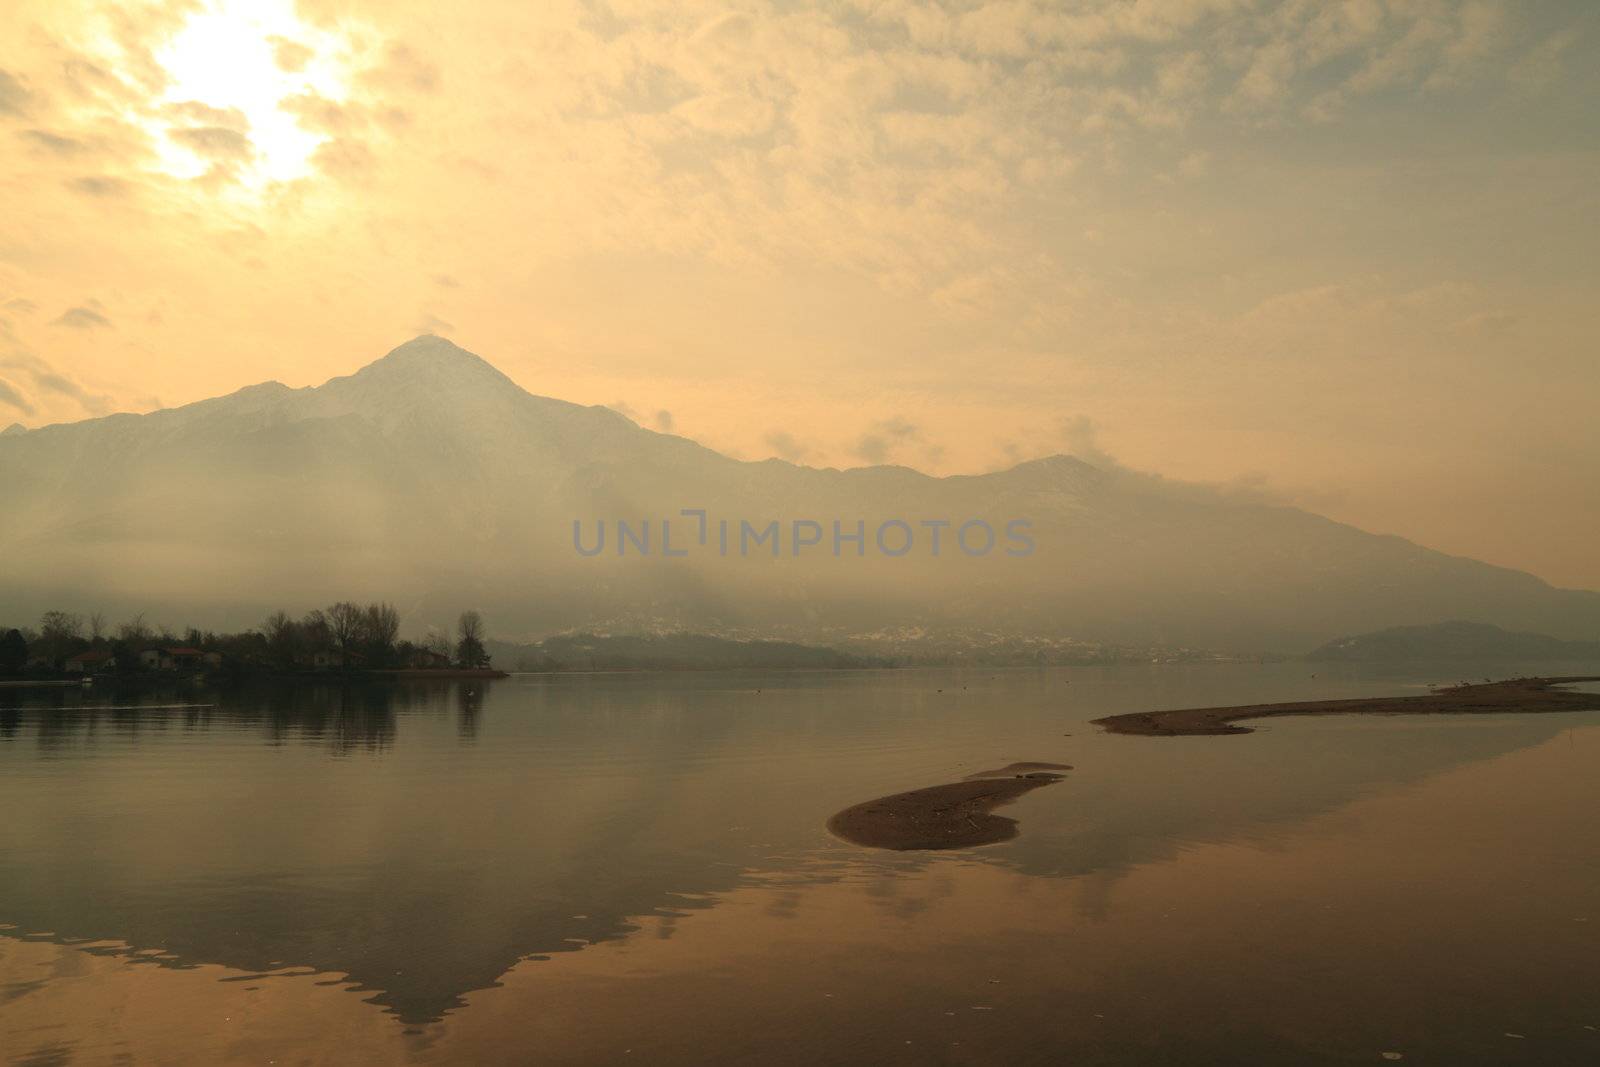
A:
x,y
232,68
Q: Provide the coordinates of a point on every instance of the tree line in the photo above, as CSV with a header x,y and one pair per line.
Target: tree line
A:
x,y
345,635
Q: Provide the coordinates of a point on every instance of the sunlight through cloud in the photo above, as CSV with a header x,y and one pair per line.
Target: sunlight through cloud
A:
x,y
231,67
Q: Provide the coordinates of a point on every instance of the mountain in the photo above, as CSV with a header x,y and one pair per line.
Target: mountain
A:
x,y
1453,641
431,479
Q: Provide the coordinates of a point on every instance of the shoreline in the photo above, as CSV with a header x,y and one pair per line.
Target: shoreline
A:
x,y
412,674
156,679
1509,696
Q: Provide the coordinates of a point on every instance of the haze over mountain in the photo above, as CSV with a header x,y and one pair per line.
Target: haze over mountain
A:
x,y
430,478
1473,642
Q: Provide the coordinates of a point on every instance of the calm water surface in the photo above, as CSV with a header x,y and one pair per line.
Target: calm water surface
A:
x,y
633,868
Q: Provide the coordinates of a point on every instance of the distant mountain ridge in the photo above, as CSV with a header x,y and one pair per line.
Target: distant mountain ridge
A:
x,y
1452,641
669,652
431,479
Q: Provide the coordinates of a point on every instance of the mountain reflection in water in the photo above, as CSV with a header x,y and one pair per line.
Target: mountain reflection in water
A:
x,y
418,842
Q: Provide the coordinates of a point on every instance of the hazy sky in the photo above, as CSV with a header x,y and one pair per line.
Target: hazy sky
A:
x,y
1342,253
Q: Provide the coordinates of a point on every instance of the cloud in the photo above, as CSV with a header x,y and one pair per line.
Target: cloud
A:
x,y
1479,32
93,403
884,438
1194,164
55,143
402,68
664,421
47,379
320,115
1544,64
100,186
872,448
216,143
14,96
1491,324
785,446
290,56
430,323
727,114
22,304
12,396
879,139
82,318
344,157
884,142
202,114
352,128
1266,82
1081,436
1183,76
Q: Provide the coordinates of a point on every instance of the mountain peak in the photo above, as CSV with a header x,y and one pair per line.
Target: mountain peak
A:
x,y
432,363
1058,461
430,349
1055,471
429,343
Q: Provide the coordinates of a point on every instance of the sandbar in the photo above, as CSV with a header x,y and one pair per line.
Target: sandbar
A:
x,y
1521,695
957,815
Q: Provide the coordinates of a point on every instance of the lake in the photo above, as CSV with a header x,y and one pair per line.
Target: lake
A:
x,y
615,868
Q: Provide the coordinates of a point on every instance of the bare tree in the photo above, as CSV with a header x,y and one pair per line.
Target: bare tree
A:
x,y
97,626
283,639
135,631
469,640
315,631
59,634
59,625
345,624
382,626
